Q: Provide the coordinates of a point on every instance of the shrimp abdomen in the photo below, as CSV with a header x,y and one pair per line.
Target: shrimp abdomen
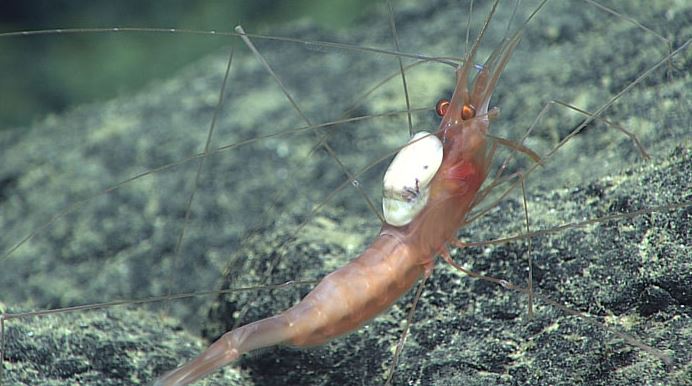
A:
x,y
354,294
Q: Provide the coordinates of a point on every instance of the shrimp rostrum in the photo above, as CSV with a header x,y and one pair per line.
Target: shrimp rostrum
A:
x,y
428,190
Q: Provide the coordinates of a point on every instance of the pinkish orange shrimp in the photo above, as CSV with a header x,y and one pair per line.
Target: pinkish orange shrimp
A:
x,y
432,337
401,254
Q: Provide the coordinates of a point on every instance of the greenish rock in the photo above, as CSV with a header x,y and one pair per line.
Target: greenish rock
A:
x,y
251,221
633,273
114,346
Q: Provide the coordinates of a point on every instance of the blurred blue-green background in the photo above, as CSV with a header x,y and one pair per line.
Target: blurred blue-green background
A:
x,y
48,73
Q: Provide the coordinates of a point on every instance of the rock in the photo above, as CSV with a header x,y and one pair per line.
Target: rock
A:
x,y
251,201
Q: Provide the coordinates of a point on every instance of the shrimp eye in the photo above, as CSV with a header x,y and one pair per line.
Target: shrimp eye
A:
x,y
468,112
441,107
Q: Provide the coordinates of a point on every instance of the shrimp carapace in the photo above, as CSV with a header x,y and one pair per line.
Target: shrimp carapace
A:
x,y
400,255
466,158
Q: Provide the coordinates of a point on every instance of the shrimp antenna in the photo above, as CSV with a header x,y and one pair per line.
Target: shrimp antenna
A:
x,y
395,36
325,145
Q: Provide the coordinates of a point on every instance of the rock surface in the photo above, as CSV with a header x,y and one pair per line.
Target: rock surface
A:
x,y
251,201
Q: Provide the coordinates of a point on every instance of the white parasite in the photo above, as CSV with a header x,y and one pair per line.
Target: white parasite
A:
x,y
406,181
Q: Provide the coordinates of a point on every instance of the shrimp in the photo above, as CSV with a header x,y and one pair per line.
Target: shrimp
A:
x,y
463,328
401,254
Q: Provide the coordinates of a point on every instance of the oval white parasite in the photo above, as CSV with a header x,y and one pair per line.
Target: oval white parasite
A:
x,y
406,181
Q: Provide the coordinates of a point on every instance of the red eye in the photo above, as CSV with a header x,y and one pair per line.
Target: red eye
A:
x,y
468,112
441,107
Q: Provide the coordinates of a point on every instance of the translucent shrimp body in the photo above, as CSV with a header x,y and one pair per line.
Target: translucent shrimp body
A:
x,y
354,294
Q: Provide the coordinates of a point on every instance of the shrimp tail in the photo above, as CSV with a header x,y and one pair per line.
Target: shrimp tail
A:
x,y
228,348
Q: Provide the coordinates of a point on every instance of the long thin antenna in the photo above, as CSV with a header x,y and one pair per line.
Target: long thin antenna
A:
x,y
395,35
210,133
2,345
468,27
326,146
528,249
